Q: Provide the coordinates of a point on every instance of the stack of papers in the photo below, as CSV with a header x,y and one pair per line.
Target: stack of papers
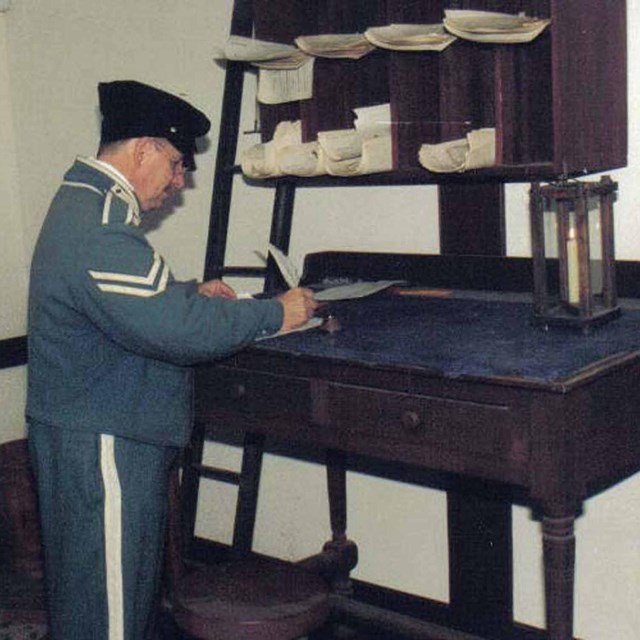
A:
x,y
335,45
410,37
490,26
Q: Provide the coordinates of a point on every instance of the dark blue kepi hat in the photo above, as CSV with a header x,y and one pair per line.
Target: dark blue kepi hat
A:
x,y
131,109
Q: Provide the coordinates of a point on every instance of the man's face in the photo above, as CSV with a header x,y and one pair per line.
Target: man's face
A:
x,y
160,173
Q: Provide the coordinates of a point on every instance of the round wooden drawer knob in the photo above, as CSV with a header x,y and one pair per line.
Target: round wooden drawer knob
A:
x,y
411,420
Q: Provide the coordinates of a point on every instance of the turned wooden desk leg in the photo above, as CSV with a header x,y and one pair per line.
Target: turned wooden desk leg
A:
x,y
337,489
559,569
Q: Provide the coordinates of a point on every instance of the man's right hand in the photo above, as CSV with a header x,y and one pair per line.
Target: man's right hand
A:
x,y
299,306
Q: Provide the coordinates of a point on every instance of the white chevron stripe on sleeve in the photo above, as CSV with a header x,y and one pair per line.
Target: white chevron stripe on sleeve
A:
x,y
138,290
127,284
128,278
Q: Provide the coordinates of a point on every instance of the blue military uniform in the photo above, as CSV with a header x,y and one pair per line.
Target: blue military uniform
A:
x,y
112,336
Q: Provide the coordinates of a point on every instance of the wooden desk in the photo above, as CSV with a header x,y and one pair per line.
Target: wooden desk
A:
x,y
458,386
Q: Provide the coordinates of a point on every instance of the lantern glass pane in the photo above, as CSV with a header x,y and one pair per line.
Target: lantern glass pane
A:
x,y
551,230
595,244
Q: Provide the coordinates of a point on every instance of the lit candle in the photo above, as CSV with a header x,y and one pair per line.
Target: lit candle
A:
x,y
573,269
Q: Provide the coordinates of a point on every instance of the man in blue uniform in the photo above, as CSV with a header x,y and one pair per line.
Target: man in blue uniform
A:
x,y
112,336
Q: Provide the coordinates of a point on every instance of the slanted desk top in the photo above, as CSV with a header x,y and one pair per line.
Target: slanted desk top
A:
x,y
458,385
472,336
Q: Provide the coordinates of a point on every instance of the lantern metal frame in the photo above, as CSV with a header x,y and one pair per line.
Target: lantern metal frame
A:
x,y
573,302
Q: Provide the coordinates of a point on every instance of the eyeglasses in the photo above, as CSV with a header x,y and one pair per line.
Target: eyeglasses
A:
x,y
177,166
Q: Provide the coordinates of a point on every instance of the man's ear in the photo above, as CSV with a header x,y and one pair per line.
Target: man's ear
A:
x,y
141,148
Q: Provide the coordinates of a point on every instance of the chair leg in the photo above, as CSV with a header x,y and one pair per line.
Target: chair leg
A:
x,y
249,486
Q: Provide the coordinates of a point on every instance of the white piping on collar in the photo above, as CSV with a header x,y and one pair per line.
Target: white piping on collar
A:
x,y
121,181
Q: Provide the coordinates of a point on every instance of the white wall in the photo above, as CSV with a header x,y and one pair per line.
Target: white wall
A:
x,y
13,257
52,55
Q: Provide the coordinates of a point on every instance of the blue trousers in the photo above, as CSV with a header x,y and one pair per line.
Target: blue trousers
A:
x,y
103,502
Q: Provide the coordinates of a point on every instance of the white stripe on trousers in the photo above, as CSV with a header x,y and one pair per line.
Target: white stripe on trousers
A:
x,y
112,537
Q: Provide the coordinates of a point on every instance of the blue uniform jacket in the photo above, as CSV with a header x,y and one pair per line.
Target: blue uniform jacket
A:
x,y
111,333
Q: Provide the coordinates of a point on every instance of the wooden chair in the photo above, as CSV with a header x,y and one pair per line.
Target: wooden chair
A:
x,y
244,598
21,588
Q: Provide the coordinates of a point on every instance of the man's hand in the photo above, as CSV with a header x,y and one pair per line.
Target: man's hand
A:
x,y
216,288
299,306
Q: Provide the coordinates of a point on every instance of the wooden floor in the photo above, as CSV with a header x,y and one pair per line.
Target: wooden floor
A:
x,y
168,631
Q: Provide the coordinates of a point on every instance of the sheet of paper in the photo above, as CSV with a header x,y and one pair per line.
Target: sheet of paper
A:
x,y
276,86
335,45
493,27
410,37
312,323
353,291
291,276
240,48
288,270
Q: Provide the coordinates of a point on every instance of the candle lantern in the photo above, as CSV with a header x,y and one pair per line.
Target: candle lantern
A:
x,y
573,253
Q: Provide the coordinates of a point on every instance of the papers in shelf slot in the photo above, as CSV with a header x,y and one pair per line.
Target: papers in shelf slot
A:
x,y
475,151
493,27
375,157
263,160
278,85
284,154
262,53
286,72
362,150
305,160
359,151
335,45
340,144
410,37
373,121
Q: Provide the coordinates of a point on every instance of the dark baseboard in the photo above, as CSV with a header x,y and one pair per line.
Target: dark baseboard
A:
x,y
13,352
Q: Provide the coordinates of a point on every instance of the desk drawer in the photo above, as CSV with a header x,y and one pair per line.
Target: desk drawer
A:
x,y
439,423
247,392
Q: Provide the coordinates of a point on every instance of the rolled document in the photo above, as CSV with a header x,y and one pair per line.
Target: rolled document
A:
x,y
376,158
482,149
259,162
304,160
445,157
475,151
340,144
